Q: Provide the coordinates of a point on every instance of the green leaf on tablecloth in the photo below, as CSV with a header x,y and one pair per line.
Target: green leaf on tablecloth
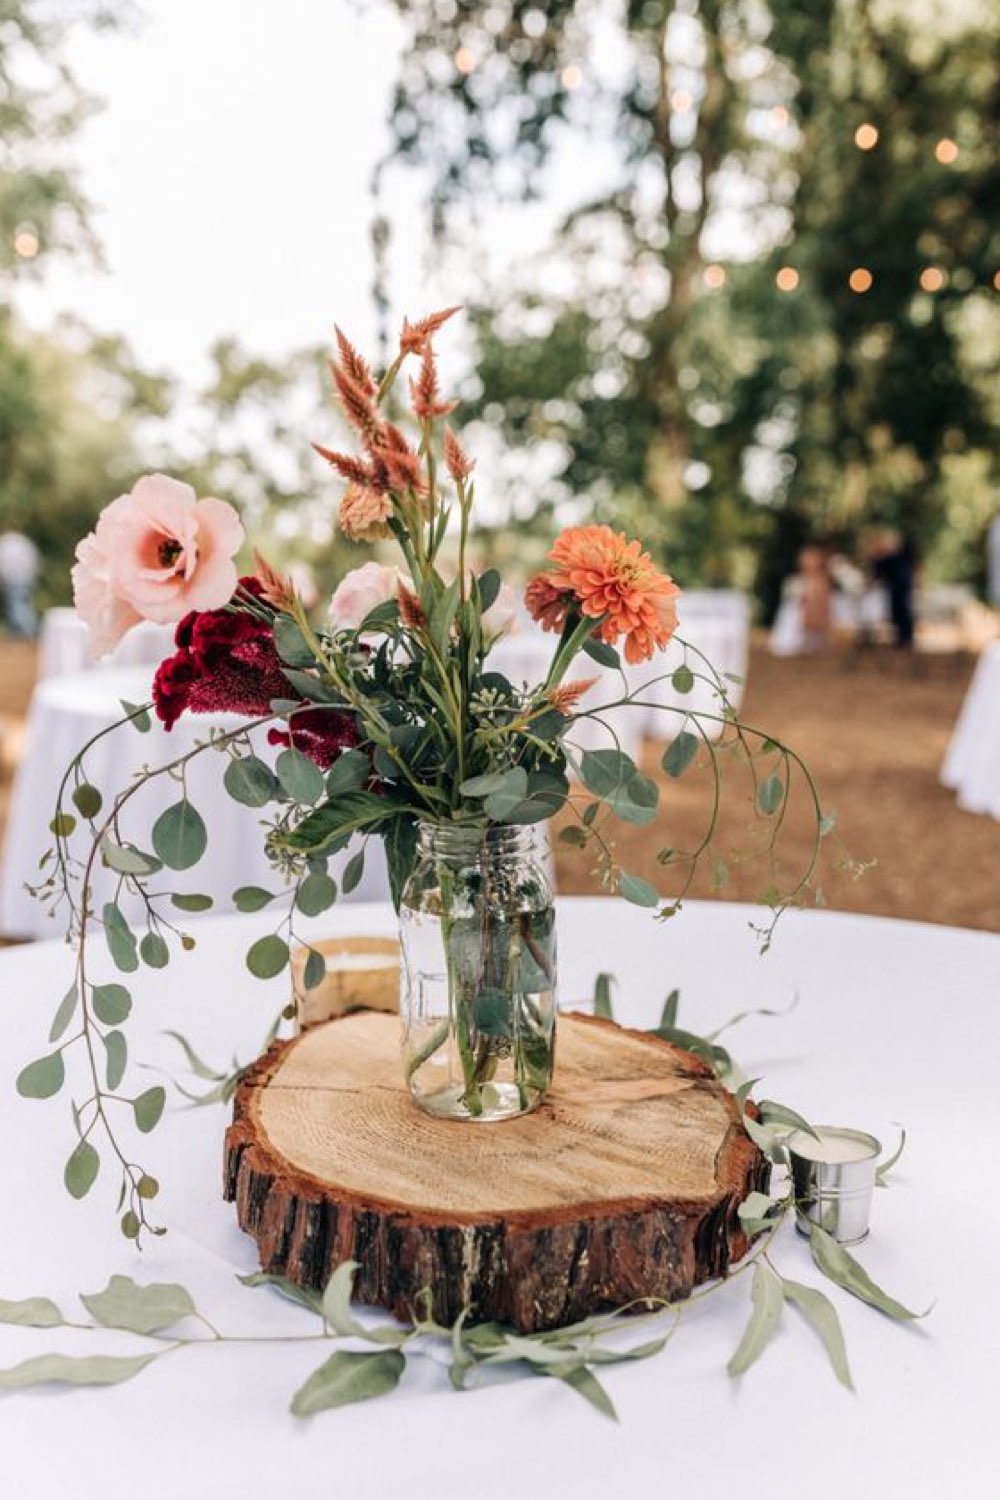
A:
x,y
772,1113
883,1169
197,1065
303,1296
120,939
336,1308
758,1213
87,799
65,1013
768,1299
820,1312
66,1369
637,890
250,780
81,1170
154,951
668,1016
179,835
769,1138
352,872
252,898
314,971
841,1267
148,1108
349,1377
301,779
32,1312
140,1309
191,901
683,679
62,825
771,794
111,1002
116,1048
680,753
602,996
42,1078
316,894
586,1382
267,956
138,713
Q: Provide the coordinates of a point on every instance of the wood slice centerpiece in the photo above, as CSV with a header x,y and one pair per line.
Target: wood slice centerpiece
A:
x,y
624,1184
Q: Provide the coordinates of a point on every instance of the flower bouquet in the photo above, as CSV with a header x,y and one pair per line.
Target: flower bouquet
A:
x,y
388,720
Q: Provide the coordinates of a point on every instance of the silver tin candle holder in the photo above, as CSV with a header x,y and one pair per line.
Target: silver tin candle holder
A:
x,y
834,1177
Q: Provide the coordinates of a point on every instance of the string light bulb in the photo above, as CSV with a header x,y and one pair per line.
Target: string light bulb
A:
x,y
571,76
465,60
779,114
787,279
946,151
26,242
860,279
931,279
681,101
996,280
714,277
866,137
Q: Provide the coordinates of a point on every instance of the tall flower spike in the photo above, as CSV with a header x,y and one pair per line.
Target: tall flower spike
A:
x,y
411,611
354,470
415,335
425,397
401,464
274,586
355,366
457,461
357,405
567,696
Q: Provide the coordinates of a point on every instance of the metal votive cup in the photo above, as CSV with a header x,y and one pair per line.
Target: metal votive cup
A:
x,y
834,1178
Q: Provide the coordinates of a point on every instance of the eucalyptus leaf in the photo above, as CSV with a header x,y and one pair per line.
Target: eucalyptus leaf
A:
x,y
112,1003
352,872
126,859
587,1384
336,1307
820,1312
252,898
841,1267
267,956
87,799
779,1114
65,1013
116,1049
512,790
315,970
120,939
683,679
197,1064
768,1138
138,713
81,1170
771,794
191,901
883,1169
680,753
154,951
602,996
66,1369
148,1108
767,1299
62,825
140,1309
349,1377
42,1078
250,780
32,1312
180,836
316,894
300,777
668,1017
303,1296
637,890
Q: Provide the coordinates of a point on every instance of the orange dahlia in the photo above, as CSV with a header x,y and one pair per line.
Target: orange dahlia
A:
x,y
364,513
611,579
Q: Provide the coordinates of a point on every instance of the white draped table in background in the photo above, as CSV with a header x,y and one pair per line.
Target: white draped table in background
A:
x,y
972,765
895,1022
65,712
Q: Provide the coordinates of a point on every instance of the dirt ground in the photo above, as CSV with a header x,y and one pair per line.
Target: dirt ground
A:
x,y
874,738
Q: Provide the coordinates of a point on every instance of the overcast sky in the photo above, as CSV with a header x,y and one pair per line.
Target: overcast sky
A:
x,y
229,169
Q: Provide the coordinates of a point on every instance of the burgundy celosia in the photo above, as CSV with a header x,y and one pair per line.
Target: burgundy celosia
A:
x,y
226,662
321,733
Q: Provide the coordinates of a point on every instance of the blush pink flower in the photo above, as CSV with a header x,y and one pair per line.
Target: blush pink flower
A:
x,y
155,554
362,590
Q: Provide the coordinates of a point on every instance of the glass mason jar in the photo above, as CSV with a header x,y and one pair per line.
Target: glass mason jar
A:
x,y
478,980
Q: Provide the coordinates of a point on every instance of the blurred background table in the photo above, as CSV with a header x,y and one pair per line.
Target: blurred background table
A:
x,y
868,989
65,712
64,645
972,765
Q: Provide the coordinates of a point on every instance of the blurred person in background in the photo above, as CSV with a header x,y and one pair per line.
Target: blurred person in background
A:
x,y
18,577
993,561
894,564
804,624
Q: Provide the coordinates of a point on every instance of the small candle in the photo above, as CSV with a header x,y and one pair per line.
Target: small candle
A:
x,y
833,1173
833,1146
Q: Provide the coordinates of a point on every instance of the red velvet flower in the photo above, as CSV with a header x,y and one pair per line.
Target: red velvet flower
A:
x,y
226,662
321,733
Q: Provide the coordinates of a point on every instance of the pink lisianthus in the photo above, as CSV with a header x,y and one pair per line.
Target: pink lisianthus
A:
x,y
362,590
155,554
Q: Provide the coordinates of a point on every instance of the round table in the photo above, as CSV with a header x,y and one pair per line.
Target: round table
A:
x,y
65,712
864,1046
972,765
64,645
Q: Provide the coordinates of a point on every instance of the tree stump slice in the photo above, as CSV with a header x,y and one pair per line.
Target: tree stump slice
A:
x,y
623,1185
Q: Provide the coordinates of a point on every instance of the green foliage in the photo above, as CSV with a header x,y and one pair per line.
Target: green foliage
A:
x,y
267,956
179,835
139,1309
348,1377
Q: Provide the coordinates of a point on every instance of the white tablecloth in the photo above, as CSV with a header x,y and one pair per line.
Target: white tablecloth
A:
x,y
972,765
864,1047
64,645
65,712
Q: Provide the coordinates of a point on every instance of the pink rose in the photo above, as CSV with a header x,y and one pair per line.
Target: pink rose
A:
x,y
155,554
362,590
